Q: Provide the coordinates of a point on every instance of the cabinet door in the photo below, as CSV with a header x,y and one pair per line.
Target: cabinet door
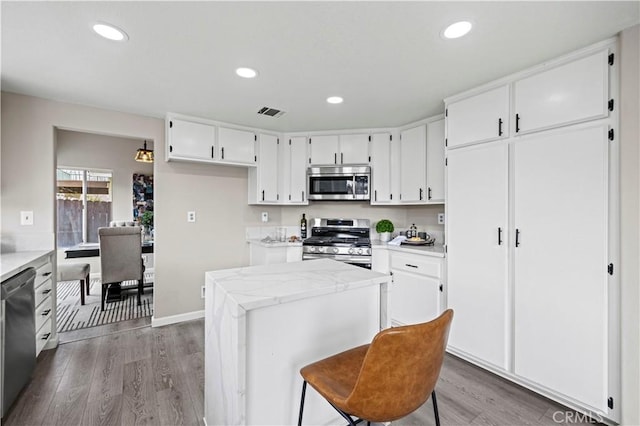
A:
x,y
573,92
414,298
298,174
482,117
381,168
268,167
477,215
561,298
413,161
354,149
237,146
324,150
435,161
190,140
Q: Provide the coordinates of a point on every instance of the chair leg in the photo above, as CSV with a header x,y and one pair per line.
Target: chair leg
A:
x,y
82,284
104,295
87,283
435,407
140,287
304,390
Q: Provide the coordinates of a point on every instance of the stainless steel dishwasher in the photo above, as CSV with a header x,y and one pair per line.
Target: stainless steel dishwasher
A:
x,y
18,330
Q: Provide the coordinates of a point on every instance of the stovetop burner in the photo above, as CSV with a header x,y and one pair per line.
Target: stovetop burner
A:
x,y
338,241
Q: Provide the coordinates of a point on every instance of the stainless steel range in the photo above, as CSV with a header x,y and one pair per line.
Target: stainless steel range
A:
x,y
345,240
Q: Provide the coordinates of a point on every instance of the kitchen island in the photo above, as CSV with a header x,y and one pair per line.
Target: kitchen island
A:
x,y
263,323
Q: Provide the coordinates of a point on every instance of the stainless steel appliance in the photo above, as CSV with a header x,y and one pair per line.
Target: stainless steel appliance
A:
x,y
339,182
345,240
18,330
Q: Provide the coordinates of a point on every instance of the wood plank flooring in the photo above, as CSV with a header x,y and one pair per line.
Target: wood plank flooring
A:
x,y
155,376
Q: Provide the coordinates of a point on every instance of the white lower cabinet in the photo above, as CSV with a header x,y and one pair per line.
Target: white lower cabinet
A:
x,y
44,312
561,313
477,277
416,292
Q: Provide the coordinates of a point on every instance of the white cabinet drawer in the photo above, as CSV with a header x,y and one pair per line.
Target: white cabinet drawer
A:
x,y
43,313
43,292
42,274
416,264
42,336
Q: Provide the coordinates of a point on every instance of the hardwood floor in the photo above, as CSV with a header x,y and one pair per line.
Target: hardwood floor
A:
x,y
155,376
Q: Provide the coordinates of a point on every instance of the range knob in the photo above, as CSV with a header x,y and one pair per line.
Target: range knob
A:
x,y
359,251
351,250
311,248
335,250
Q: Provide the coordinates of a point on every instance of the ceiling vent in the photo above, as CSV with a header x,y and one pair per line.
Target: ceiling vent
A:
x,y
270,112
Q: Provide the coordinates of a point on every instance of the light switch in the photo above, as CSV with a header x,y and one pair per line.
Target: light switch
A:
x,y
191,216
26,218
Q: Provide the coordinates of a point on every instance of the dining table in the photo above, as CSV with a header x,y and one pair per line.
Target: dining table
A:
x,y
93,250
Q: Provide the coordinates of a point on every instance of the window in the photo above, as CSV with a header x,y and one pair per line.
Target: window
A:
x,y
84,204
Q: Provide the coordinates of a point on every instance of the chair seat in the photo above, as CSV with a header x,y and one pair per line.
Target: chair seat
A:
x,y
335,377
73,271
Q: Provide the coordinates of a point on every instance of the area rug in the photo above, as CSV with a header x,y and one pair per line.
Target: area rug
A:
x,y
71,315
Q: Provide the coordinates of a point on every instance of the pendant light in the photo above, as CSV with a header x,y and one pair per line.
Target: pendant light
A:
x,y
144,155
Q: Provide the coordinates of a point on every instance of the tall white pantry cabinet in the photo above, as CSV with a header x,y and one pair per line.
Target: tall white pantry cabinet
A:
x,y
532,228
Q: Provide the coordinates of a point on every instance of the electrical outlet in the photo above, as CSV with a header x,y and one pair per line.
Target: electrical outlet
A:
x,y
440,218
191,216
26,218
265,216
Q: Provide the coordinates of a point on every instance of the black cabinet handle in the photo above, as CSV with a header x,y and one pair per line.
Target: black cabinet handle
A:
x,y
170,148
517,238
335,158
263,195
420,194
411,266
517,123
223,152
302,195
499,126
212,153
45,313
499,236
46,274
429,193
341,158
45,336
46,291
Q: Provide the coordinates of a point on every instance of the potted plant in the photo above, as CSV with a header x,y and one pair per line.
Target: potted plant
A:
x,y
146,220
384,227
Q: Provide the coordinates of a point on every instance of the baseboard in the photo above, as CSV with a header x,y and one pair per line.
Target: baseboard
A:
x,y
173,319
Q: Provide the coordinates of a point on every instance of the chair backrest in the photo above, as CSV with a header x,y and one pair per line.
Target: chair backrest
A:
x,y
400,370
120,253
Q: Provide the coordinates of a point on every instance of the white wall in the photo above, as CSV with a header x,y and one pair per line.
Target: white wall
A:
x,y
86,150
630,222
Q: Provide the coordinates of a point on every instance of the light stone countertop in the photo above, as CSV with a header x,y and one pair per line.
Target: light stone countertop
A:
x,y
13,263
274,243
436,250
267,285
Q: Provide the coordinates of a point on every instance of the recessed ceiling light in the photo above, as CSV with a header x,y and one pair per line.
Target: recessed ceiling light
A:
x,y
457,29
246,72
110,32
335,99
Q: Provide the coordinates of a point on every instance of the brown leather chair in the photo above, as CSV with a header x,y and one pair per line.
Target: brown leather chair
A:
x,y
387,379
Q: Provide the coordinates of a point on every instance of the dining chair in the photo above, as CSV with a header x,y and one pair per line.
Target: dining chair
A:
x,y
121,258
387,379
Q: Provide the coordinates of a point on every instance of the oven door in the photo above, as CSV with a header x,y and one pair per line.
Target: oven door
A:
x,y
361,261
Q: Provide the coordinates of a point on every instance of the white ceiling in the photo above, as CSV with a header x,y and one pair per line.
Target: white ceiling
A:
x,y
385,58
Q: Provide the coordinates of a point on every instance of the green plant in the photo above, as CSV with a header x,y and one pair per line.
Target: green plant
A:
x,y
384,225
147,218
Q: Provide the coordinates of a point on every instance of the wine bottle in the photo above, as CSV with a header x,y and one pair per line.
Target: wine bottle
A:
x,y
303,227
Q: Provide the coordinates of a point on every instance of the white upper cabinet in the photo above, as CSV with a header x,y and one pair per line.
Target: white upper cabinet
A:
x,y
266,174
569,93
413,162
295,168
189,140
339,149
435,161
478,118
237,146
354,149
323,149
381,168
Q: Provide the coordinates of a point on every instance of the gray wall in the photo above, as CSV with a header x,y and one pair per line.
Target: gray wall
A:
x,y
630,222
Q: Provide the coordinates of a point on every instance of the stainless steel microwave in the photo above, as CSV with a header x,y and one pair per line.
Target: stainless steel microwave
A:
x,y
339,182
